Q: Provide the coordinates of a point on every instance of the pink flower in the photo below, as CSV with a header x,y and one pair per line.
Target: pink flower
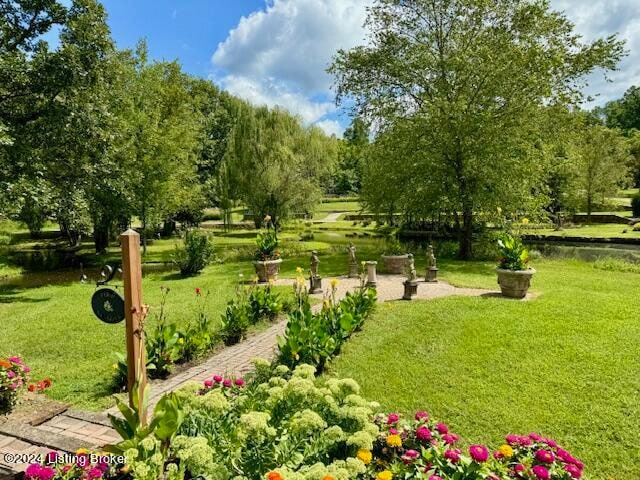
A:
x,y
541,472
227,383
94,473
535,437
512,439
498,455
13,386
442,428
33,470
524,441
452,455
239,382
393,431
518,468
26,369
450,438
51,457
409,456
565,456
578,463
393,418
551,442
423,434
422,415
38,472
545,456
17,360
479,453
11,374
208,383
574,471
217,378
435,477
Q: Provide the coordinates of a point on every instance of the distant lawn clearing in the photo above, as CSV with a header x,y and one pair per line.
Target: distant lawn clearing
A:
x,y
565,364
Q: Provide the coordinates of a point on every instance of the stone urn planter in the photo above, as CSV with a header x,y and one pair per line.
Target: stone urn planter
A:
x,y
395,263
514,283
267,269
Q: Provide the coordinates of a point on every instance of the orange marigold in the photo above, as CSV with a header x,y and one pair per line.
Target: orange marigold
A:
x,y
5,363
274,476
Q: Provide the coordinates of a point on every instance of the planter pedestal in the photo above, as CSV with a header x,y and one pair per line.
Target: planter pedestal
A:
x,y
410,289
514,283
353,270
432,275
395,263
267,270
315,284
372,279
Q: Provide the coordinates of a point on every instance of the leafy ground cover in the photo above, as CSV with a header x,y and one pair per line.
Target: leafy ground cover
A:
x,y
565,364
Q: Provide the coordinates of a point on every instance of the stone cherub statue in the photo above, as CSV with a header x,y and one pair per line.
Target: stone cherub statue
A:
x,y
431,258
352,253
315,261
411,268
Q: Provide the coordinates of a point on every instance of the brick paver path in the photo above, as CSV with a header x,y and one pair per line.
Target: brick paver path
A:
x,y
74,429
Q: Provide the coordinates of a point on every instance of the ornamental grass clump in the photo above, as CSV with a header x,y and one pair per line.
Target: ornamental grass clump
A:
x,y
14,375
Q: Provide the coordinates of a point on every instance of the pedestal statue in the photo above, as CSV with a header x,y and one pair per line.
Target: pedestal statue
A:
x,y
372,279
315,281
411,283
353,262
432,269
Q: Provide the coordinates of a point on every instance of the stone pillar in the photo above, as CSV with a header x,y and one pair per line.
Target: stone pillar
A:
x,y
315,284
410,289
372,279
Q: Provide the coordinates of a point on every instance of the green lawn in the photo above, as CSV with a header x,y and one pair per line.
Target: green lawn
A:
x,y
606,230
565,364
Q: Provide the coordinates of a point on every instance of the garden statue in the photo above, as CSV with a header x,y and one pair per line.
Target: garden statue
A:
x,y
353,262
314,279
411,283
432,269
372,279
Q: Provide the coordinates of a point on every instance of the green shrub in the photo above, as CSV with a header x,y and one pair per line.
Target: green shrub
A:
x,y
236,318
267,245
635,205
316,338
197,339
393,246
264,303
195,253
513,253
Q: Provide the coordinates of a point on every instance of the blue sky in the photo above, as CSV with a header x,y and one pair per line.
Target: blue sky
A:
x,y
274,52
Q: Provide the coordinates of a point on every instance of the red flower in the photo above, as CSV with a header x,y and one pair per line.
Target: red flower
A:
x,y
198,291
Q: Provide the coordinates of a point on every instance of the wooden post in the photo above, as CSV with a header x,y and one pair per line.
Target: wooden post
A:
x,y
134,311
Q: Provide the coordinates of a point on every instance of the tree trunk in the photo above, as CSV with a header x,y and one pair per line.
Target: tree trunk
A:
x,y
101,236
466,234
589,208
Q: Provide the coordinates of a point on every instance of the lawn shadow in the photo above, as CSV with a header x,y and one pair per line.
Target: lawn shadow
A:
x,y
12,294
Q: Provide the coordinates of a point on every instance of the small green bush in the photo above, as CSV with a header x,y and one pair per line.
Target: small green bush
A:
x,y
236,318
513,254
635,205
195,253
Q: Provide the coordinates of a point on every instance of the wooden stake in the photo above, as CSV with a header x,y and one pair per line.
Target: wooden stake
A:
x,y
134,311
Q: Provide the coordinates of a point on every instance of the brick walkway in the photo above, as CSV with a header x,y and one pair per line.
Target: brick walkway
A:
x,y
74,429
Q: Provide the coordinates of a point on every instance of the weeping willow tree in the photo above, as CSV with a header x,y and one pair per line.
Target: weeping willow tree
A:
x,y
275,164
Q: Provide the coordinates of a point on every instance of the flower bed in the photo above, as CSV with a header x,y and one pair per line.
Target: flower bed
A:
x,y
14,375
290,425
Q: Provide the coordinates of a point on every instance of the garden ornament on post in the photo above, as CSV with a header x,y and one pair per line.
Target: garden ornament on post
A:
x,y
353,262
372,279
314,279
411,283
432,269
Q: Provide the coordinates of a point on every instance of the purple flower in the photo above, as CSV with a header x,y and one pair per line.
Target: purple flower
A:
x,y
423,434
479,453
541,472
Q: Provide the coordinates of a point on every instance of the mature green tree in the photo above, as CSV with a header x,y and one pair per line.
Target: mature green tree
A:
x,y
603,165
347,177
466,79
623,113
163,125
276,164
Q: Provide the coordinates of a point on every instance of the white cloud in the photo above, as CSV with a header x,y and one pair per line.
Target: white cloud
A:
x,y
331,127
601,18
279,55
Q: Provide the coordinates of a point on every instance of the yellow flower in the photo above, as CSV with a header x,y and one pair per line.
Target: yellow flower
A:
x,y
334,283
114,366
300,281
181,340
394,441
499,210
299,270
364,456
525,221
82,451
384,475
506,451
